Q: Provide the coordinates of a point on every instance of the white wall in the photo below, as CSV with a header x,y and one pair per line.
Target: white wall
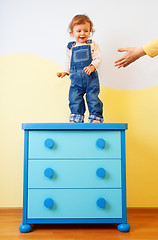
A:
x,y
40,27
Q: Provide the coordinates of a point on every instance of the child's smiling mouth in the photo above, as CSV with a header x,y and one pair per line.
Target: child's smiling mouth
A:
x,y
82,38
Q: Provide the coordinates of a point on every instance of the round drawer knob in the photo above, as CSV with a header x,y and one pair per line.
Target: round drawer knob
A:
x,y
101,202
100,143
49,172
49,143
48,203
101,172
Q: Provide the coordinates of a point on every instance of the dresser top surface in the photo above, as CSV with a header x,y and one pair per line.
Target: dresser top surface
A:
x,y
73,126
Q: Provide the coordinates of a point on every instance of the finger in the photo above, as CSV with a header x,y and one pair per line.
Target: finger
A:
x,y
63,75
125,64
86,70
122,49
121,59
119,66
89,72
119,62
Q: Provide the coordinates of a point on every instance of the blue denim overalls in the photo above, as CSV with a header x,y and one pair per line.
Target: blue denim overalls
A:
x,y
81,83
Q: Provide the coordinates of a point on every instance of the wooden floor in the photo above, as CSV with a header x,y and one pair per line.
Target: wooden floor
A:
x,y
144,226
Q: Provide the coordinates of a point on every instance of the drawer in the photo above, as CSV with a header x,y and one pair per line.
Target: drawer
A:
x,y
74,144
74,203
74,174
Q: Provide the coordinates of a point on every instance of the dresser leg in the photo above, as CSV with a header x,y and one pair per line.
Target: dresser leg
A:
x,y
25,228
123,227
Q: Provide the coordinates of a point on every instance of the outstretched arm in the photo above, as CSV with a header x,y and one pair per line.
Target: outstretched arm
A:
x,y
131,55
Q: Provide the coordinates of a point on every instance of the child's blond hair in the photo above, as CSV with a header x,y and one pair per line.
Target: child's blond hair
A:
x,y
80,19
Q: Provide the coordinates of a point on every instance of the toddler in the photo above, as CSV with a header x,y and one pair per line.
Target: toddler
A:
x,y
84,58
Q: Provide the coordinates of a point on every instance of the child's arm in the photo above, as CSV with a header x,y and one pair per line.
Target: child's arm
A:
x,y
67,66
96,59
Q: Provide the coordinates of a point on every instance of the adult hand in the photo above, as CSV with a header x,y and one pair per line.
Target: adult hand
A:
x,y
131,55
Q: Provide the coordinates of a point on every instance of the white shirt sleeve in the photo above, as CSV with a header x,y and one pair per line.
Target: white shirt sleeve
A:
x,y
68,59
96,55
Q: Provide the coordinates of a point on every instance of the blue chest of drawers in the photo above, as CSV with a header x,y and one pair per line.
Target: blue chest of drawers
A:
x,y
74,173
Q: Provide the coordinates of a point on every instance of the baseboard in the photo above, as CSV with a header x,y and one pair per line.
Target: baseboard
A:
x,y
10,209
142,209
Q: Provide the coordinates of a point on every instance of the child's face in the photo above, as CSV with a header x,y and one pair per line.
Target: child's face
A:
x,y
81,32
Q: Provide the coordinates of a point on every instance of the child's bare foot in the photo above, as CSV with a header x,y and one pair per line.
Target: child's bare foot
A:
x,y
96,121
72,122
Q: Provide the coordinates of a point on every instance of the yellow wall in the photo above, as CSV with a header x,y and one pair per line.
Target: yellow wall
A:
x,y
31,92
139,109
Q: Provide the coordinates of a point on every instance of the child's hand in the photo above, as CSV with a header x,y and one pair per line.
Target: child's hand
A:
x,y
88,70
62,74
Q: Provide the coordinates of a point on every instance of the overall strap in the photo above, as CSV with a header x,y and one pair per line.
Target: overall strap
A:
x,y
71,44
89,41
